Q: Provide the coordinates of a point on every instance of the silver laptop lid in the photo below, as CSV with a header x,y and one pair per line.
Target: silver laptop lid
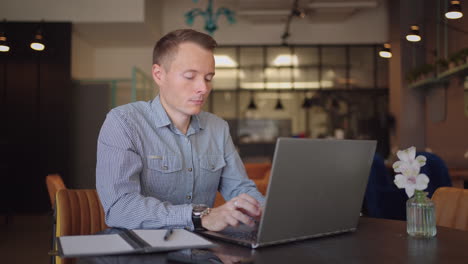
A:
x,y
316,188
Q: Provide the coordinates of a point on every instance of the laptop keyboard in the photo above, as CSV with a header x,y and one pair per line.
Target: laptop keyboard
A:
x,y
236,234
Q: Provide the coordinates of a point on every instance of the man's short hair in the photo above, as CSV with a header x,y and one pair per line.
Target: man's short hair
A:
x,y
166,48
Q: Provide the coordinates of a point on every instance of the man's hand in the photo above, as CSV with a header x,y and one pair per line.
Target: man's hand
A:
x,y
240,209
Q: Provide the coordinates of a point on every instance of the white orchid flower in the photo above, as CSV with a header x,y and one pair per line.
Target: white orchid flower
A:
x,y
411,183
409,167
408,161
407,154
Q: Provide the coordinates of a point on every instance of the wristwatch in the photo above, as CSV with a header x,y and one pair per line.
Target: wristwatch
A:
x,y
199,211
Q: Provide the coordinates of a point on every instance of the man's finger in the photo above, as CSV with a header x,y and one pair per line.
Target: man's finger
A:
x,y
239,216
249,198
247,207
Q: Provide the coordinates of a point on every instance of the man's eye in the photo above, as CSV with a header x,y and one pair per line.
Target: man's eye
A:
x,y
209,78
190,77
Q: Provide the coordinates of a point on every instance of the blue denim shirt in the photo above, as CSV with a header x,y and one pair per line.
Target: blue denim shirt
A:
x,y
148,173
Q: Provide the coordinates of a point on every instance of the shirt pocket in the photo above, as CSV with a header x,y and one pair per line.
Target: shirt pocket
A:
x,y
212,163
163,177
165,164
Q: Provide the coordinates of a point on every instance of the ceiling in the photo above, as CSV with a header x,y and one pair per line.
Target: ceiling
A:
x,y
123,34
316,11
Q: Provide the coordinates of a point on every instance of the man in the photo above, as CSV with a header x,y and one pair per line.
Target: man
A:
x,y
159,162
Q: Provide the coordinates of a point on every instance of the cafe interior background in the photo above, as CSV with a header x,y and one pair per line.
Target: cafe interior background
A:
x,y
319,75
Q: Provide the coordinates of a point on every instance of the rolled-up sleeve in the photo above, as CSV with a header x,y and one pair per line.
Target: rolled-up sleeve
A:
x,y
234,180
118,172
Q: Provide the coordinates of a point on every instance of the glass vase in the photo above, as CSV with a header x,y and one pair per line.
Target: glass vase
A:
x,y
420,216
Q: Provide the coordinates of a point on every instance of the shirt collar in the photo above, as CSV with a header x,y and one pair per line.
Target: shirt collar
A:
x,y
162,119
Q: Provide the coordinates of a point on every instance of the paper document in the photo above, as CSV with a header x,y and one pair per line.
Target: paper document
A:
x,y
129,241
180,238
94,244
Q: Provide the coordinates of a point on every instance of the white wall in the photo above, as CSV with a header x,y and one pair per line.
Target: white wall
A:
x,y
118,62
82,58
73,10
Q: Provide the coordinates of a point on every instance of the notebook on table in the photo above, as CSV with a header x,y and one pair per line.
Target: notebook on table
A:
x,y
316,189
129,241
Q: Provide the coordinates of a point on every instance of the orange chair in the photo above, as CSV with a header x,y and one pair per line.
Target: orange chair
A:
x,y
54,183
262,185
451,205
78,212
256,172
219,200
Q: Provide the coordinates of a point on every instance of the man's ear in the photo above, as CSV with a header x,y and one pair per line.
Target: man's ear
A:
x,y
158,72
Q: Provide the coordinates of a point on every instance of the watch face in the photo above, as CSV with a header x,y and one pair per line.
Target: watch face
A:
x,y
198,208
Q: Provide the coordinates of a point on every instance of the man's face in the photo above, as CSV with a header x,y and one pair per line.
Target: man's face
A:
x,y
186,82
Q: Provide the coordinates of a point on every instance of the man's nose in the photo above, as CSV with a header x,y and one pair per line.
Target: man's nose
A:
x,y
203,86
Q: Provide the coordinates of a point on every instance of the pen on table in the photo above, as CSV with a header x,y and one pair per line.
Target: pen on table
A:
x,y
168,234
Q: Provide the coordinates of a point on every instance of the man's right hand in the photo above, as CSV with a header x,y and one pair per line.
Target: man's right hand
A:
x,y
240,209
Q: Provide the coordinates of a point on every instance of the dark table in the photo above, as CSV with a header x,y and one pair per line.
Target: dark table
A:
x,y
375,241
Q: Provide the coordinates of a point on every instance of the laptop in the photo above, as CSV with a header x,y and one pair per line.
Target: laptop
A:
x,y
316,189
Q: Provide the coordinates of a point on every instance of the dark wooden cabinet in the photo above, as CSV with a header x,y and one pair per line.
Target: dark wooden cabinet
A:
x,y
35,114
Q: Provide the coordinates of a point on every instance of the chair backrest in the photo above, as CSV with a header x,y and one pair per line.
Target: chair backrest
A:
x,y
54,183
78,212
451,205
262,184
437,172
257,170
382,198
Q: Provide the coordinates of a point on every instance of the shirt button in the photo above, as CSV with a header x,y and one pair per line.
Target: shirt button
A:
x,y
189,197
189,169
164,167
212,167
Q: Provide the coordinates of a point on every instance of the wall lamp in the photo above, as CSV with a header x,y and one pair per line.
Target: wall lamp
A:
x,y
38,42
3,43
385,52
413,35
4,47
454,10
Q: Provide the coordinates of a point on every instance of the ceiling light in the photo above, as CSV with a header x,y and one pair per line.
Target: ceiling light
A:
x,y
3,43
252,105
38,42
279,105
286,60
385,52
454,10
224,61
413,36
306,104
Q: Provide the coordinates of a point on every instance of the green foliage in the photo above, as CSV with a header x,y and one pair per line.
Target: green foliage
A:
x,y
417,72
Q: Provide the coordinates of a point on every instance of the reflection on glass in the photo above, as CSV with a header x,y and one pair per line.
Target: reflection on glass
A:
x,y
361,70
333,77
224,104
251,56
224,61
225,79
334,56
307,56
277,55
286,60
